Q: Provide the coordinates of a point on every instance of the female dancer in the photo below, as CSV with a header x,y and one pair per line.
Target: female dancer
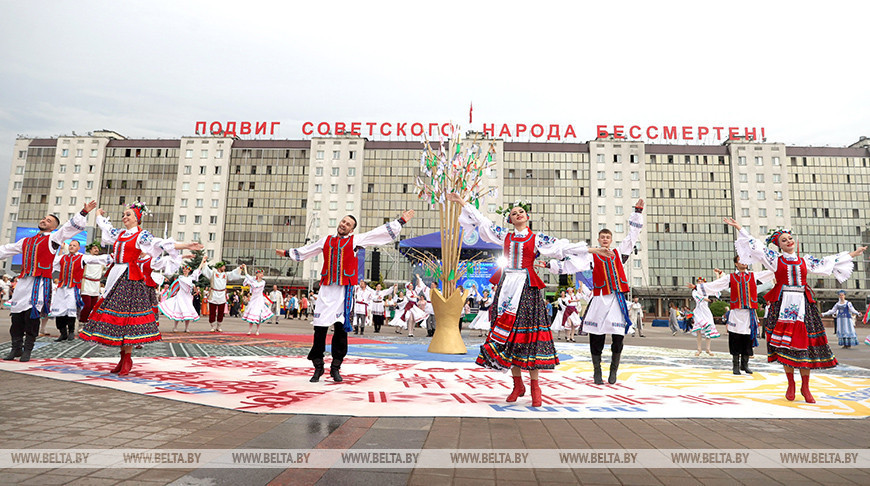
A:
x,y
520,337
178,304
124,316
704,326
481,320
844,321
795,333
257,311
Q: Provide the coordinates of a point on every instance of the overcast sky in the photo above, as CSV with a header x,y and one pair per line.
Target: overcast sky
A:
x,y
153,68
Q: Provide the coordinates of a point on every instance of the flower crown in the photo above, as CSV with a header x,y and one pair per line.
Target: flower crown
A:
x,y
139,205
506,210
774,234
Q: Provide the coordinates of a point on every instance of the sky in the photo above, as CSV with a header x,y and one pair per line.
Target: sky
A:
x,y
152,69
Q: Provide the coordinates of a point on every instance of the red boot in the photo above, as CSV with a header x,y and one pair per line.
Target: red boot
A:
x,y
518,391
789,392
126,364
117,367
805,389
536,394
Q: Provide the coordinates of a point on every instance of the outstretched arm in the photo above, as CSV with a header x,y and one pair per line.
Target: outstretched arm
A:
x,y
303,252
384,234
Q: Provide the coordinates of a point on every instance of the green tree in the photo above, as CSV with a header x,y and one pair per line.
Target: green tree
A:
x,y
719,308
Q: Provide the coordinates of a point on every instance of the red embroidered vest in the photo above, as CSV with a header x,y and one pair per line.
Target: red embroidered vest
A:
x,y
608,276
790,273
144,265
339,262
520,252
125,251
37,258
744,293
71,271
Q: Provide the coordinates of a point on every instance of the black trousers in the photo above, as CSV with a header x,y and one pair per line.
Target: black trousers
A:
x,y
740,344
339,342
24,328
378,321
596,343
66,325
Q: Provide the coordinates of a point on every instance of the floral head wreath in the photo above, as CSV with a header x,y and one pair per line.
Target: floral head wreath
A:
x,y
774,234
702,279
93,244
140,209
220,264
506,210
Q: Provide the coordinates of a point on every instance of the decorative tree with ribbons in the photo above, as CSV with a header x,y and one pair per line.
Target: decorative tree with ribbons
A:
x,y
457,167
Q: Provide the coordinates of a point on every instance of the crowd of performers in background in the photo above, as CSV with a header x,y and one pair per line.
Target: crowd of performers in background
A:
x,y
518,323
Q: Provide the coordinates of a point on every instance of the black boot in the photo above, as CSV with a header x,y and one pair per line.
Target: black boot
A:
x,y
16,350
735,363
596,374
25,354
614,367
318,370
744,364
362,330
356,329
333,371
63,335
71,332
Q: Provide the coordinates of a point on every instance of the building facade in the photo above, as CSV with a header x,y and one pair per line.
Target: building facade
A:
x,y
244,198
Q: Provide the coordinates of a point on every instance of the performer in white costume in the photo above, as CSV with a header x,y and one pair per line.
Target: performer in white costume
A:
x,y
217,295
178,305
257,311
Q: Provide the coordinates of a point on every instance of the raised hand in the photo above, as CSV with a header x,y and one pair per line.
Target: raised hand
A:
x,y
281,252
101,212
639,203
602,252
90,206
733,223
858,251
453,197
407,215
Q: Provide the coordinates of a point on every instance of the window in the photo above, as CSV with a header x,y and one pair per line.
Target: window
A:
x,y
635,193
744,177
760,195
652,159
602,192
775,160
744,195
318,188
617,158
762,229
602,209
203,154
200,186
759,161
634,158
212,220
187,170
316,205
370,188
219,154
217,170
617,176
332,221
617,192
688,159
350,188
762,213
618,210
183,203
336,154
197,219
188,154
216,186
211,236
74,184
19,169
122,199
199,203
600,158
671,193
741,160
777,178
22,154
528,173
60,184
77,169
17,185
89,185
618,227
601,175
670,159
215,203
318,171
349,206
493,173
15,201
64,153
744,212
182,219
201,170
779,212
333,188
635,175
351,171
333,205
250,202
196,236
62,169
253,169
352,155
13,216
185,186
181,236
210,253
335,171
777,195
58,200
510,173
759,178
319,155
492,208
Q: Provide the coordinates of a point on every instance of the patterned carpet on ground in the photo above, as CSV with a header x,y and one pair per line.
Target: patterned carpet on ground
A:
x,y
269,374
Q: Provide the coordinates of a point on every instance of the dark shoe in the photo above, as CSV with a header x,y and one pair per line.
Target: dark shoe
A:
x,y
25,354
735,364
13,353
318,370
333,371
63,337
596,374
614,367
744,364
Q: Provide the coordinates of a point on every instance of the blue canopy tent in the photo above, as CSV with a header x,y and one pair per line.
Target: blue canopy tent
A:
x,y
431,245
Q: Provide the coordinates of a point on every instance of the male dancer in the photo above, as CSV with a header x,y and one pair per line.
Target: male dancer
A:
x,y
32,296
608,311
335,302
361,310
217,296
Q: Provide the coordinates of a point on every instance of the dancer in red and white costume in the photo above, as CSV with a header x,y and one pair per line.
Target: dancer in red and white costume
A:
x,y
258,310
217,294
178,304
91,284
125,314
795,333
377,305
66,301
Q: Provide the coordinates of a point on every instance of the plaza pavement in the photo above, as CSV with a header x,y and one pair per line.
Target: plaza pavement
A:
x,y
40,413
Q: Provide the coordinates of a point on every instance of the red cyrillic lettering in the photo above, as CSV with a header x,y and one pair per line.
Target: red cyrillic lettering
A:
x,y
631,131
687,133
541,127
649,134
213,130
260,128
228,131
371,126
570,131
339,128
400,129
732,133
444,132
388,125
414,129
763,137
431,133
617,131
557,135
245,128
489,129
520,129
198,129
355,128
746,133
702,131
718,132
669,133
601,131
505,129
272,127
320,128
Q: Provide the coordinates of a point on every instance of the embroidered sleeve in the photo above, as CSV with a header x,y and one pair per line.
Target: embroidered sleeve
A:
x,y
715,286
381,235
751,250
840,265
69,229
307,251
109,234
490,232
571,264
12,249
635,224
559,248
